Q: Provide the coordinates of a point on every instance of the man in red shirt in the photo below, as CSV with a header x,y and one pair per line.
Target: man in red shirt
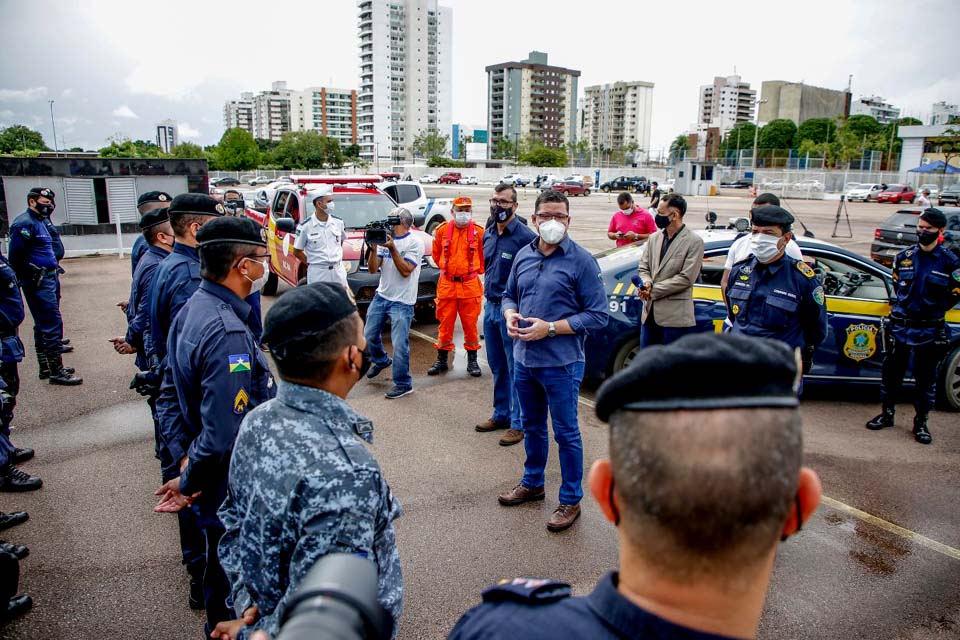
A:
x,y
630,223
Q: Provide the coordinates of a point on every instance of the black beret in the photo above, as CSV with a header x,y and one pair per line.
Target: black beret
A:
x,y
770,215
766,198
934,217
306,311
231,230
41,192
704,371
153,196
198,204
153,218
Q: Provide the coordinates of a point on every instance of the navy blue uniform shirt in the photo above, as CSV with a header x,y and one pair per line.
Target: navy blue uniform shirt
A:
x,y
138,307
11,314
566,285
31,243
781,300
531,609
218,374
499,252
140,247
55,240
927,285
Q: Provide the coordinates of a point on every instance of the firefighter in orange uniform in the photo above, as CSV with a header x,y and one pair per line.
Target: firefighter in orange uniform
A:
x,y
458,250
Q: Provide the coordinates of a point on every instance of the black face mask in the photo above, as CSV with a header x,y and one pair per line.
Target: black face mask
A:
x,y
662,222
45,209
500,214
927,238
365,362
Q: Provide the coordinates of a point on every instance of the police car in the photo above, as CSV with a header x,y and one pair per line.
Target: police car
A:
x,y
858,293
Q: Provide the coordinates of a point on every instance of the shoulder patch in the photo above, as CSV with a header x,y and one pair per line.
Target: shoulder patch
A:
x,y
527,590
805,269
818,295
956,275
239,363
25,232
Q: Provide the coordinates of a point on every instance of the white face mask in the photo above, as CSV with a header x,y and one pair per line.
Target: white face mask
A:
x,y
462,218
552,231
330,208
764,247
257,284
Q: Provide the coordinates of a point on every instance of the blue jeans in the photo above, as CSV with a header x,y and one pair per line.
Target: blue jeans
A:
x,y
652,333
556,389
506,405
401,317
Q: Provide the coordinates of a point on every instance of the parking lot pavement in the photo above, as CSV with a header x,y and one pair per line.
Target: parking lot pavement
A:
x,y
102,565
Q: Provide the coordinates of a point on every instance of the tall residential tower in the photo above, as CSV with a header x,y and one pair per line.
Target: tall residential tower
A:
x,y
617,116
725,103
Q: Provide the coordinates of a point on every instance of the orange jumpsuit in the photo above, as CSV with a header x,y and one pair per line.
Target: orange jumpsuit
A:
x,y
459,254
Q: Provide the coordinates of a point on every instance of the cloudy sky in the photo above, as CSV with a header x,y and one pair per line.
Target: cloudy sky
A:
x,y
121,66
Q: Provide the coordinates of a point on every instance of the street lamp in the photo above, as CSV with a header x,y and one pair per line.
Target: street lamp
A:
x,y
53,122
756,135
516,148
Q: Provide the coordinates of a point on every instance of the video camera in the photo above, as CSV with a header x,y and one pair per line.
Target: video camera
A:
x,y
337,601
235,207
379,231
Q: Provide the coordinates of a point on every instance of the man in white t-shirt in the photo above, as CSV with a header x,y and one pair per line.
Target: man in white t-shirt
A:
x,y
399,262
319,242
924,200
740,249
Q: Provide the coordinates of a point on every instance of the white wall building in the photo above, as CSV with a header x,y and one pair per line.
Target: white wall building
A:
x,y
618,115
238,114
270,114
725,103
874,106
406,51
167,135
941,112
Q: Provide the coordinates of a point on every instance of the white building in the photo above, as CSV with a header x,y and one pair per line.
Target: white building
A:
x,y
725,103
167,136
874,106
941,112
238,114
618,115
406,51
271,112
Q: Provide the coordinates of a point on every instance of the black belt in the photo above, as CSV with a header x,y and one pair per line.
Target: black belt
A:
x,y
495,300
916,324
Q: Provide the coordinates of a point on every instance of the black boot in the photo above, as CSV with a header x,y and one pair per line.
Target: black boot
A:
x,y
473,367
441,365
196,600
8,520
885,419
60,375
44,365
13,479
920,432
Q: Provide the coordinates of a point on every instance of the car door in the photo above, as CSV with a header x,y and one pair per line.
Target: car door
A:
x,y
280,243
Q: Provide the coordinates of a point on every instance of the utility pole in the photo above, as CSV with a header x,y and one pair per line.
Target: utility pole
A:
x,y
756,137
53,122
516,148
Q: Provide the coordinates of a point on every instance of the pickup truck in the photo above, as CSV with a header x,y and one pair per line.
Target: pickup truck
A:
x,y
359,201
410,195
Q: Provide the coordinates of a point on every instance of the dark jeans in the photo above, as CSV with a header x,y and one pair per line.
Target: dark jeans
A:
x,y
192,543
506,405
216,585
652,333
556,389
925,360
11,379
44,305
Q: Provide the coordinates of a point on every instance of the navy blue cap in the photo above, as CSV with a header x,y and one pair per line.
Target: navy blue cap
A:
x,y
231,230
199,204
155,217
154,196
770,215
306,311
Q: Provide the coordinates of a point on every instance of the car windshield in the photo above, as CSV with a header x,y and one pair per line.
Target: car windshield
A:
x,y
954,188
902,220
358,209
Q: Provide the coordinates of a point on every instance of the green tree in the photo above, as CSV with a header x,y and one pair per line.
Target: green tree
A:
x,y
862,125
777,134
20,138
948,145
541,156
119,147
351,151
429,143
306,150
815,130
187,150
679,147
147,149
237,151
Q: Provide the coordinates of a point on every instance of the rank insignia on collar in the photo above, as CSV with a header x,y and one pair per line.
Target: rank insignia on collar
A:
x,y
805,269
240,402
239,363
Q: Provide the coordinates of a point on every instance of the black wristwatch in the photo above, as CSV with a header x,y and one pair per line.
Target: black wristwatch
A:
x,y
551,330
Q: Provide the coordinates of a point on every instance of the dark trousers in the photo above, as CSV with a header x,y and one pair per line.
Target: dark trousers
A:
x,y
11,380
216,586
192,543
652,333
44,303
925,360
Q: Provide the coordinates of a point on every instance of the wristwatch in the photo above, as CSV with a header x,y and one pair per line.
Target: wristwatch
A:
x,y
551,330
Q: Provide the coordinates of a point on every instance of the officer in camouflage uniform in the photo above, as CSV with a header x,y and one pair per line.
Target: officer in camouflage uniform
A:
x,y
302,484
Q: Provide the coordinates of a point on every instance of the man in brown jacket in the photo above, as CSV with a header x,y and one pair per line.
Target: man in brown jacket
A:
x,y
669,267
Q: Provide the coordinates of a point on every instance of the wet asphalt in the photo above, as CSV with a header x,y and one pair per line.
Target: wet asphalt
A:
x,y
102,565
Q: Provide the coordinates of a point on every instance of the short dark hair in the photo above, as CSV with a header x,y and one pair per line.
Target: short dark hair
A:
x,y
655,182
678,202
312,357
229,191
624,198
550,196
181,222
766,198
705,492
505,186
216,260
150,233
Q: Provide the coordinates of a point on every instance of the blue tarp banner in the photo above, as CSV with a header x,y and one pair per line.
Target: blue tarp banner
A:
x,y
936,167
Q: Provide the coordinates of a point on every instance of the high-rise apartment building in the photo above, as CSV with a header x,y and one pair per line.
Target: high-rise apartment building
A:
x,y
618,115
238,114
725,103
406,51
875,107
942,113
167,136
532,100
800,102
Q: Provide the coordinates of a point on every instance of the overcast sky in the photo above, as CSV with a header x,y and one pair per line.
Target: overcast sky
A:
x,y
121,66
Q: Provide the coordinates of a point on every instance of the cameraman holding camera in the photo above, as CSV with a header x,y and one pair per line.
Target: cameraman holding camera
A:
x,y
399,259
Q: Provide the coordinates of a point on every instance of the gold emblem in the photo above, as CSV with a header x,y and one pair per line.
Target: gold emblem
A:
x,y
861,341
736,309
805,269
240,401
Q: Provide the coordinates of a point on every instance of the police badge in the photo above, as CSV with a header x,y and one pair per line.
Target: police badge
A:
x,y
861,341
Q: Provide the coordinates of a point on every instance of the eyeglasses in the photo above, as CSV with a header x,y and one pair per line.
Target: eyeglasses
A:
x,y
502,203
547,217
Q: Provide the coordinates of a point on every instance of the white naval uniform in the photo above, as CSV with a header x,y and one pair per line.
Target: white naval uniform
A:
x,y
322,242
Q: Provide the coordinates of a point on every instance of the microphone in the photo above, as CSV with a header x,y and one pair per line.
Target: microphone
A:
x,y
637,282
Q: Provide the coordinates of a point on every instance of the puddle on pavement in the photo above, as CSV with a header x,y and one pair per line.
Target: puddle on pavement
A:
x,y
882,550
874,562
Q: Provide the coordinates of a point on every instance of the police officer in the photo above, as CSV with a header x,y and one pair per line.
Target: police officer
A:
x,y
772,295
35,253
146,203
302,482
927,282
692,424
319,243
11,352
218,373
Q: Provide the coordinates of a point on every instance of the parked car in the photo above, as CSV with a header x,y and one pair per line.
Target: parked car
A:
x,y
857,296
541,180
742,183
225,182
571,188
897,194
468,180
254,182
623,183
934,190
428,179
850,186
864,192
517,179
450,177
899,231
587,180
950,195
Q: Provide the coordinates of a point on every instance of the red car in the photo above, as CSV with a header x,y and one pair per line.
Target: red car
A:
x,y
451,177
897,193
571,188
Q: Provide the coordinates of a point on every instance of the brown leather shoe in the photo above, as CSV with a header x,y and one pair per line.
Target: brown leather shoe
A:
x,y
520,494
491,425
563,517
512,436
